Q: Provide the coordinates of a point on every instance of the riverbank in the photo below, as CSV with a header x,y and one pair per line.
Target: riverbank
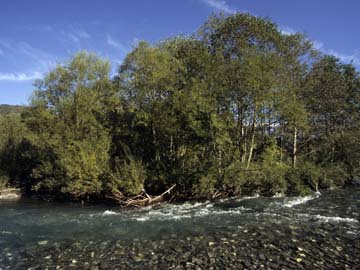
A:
x,y
145,200
250,248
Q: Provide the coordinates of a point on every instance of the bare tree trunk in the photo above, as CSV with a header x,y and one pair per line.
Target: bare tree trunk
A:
x,y
251,150
157,156
243,158
332,153
243,146
294,148
252,140
269,125
220,162
153,133
241,139
171,146
281,142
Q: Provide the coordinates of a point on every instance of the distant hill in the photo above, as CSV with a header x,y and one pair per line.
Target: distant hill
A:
x,y
6,109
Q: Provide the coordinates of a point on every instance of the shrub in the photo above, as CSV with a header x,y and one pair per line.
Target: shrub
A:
x,y
128,177
240,179
4,180
335,175
273,171
295,185
206,185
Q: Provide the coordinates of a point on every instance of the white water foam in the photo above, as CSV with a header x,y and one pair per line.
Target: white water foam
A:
x,y
186,211
326,219
142,219
168,212
180,211
257,195
279,195
335,219
290,202
110,213
172,212
6,232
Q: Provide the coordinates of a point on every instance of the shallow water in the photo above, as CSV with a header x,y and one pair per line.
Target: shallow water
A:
x,y
326,223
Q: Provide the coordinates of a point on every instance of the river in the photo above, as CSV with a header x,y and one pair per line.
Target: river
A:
x,y
320,231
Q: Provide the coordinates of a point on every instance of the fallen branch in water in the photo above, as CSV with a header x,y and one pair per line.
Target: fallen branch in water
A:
x,y
216,195
140,200
10,194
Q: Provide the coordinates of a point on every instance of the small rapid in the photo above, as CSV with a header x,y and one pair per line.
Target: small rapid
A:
x,y
300,200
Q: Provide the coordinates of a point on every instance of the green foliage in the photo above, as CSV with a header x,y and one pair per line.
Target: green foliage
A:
x,y
240,179
206,185
273,171
4,180
311,174
295,184
84,163
307,177
128,177
333,175
238,108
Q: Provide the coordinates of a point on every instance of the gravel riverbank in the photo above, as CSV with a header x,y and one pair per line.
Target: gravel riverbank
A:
x,y
244,248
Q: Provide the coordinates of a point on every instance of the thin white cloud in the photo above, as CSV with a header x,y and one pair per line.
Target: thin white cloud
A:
x,y
346,58
44,28
135,42
354,58
286,30
112,42
75,35
22,56
220,5
5,44
1,52
42,59
19,77
83,34
116,44
318,45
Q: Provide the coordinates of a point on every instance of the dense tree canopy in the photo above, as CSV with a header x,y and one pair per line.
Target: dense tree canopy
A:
x,y
236,108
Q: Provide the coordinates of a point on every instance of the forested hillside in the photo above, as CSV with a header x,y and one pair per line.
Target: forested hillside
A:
x,y
237,108
6,109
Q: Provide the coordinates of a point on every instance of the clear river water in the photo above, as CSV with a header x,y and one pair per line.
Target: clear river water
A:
x,y
320,231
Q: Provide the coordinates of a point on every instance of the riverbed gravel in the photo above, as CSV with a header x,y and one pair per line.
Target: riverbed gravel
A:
x,y
249,247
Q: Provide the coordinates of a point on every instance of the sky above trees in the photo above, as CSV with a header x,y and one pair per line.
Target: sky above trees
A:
x,y
35,35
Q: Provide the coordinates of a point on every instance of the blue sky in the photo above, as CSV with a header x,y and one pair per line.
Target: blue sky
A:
x,y
37,34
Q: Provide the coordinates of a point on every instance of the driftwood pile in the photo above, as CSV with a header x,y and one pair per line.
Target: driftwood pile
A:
x,y
140,200
10,194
